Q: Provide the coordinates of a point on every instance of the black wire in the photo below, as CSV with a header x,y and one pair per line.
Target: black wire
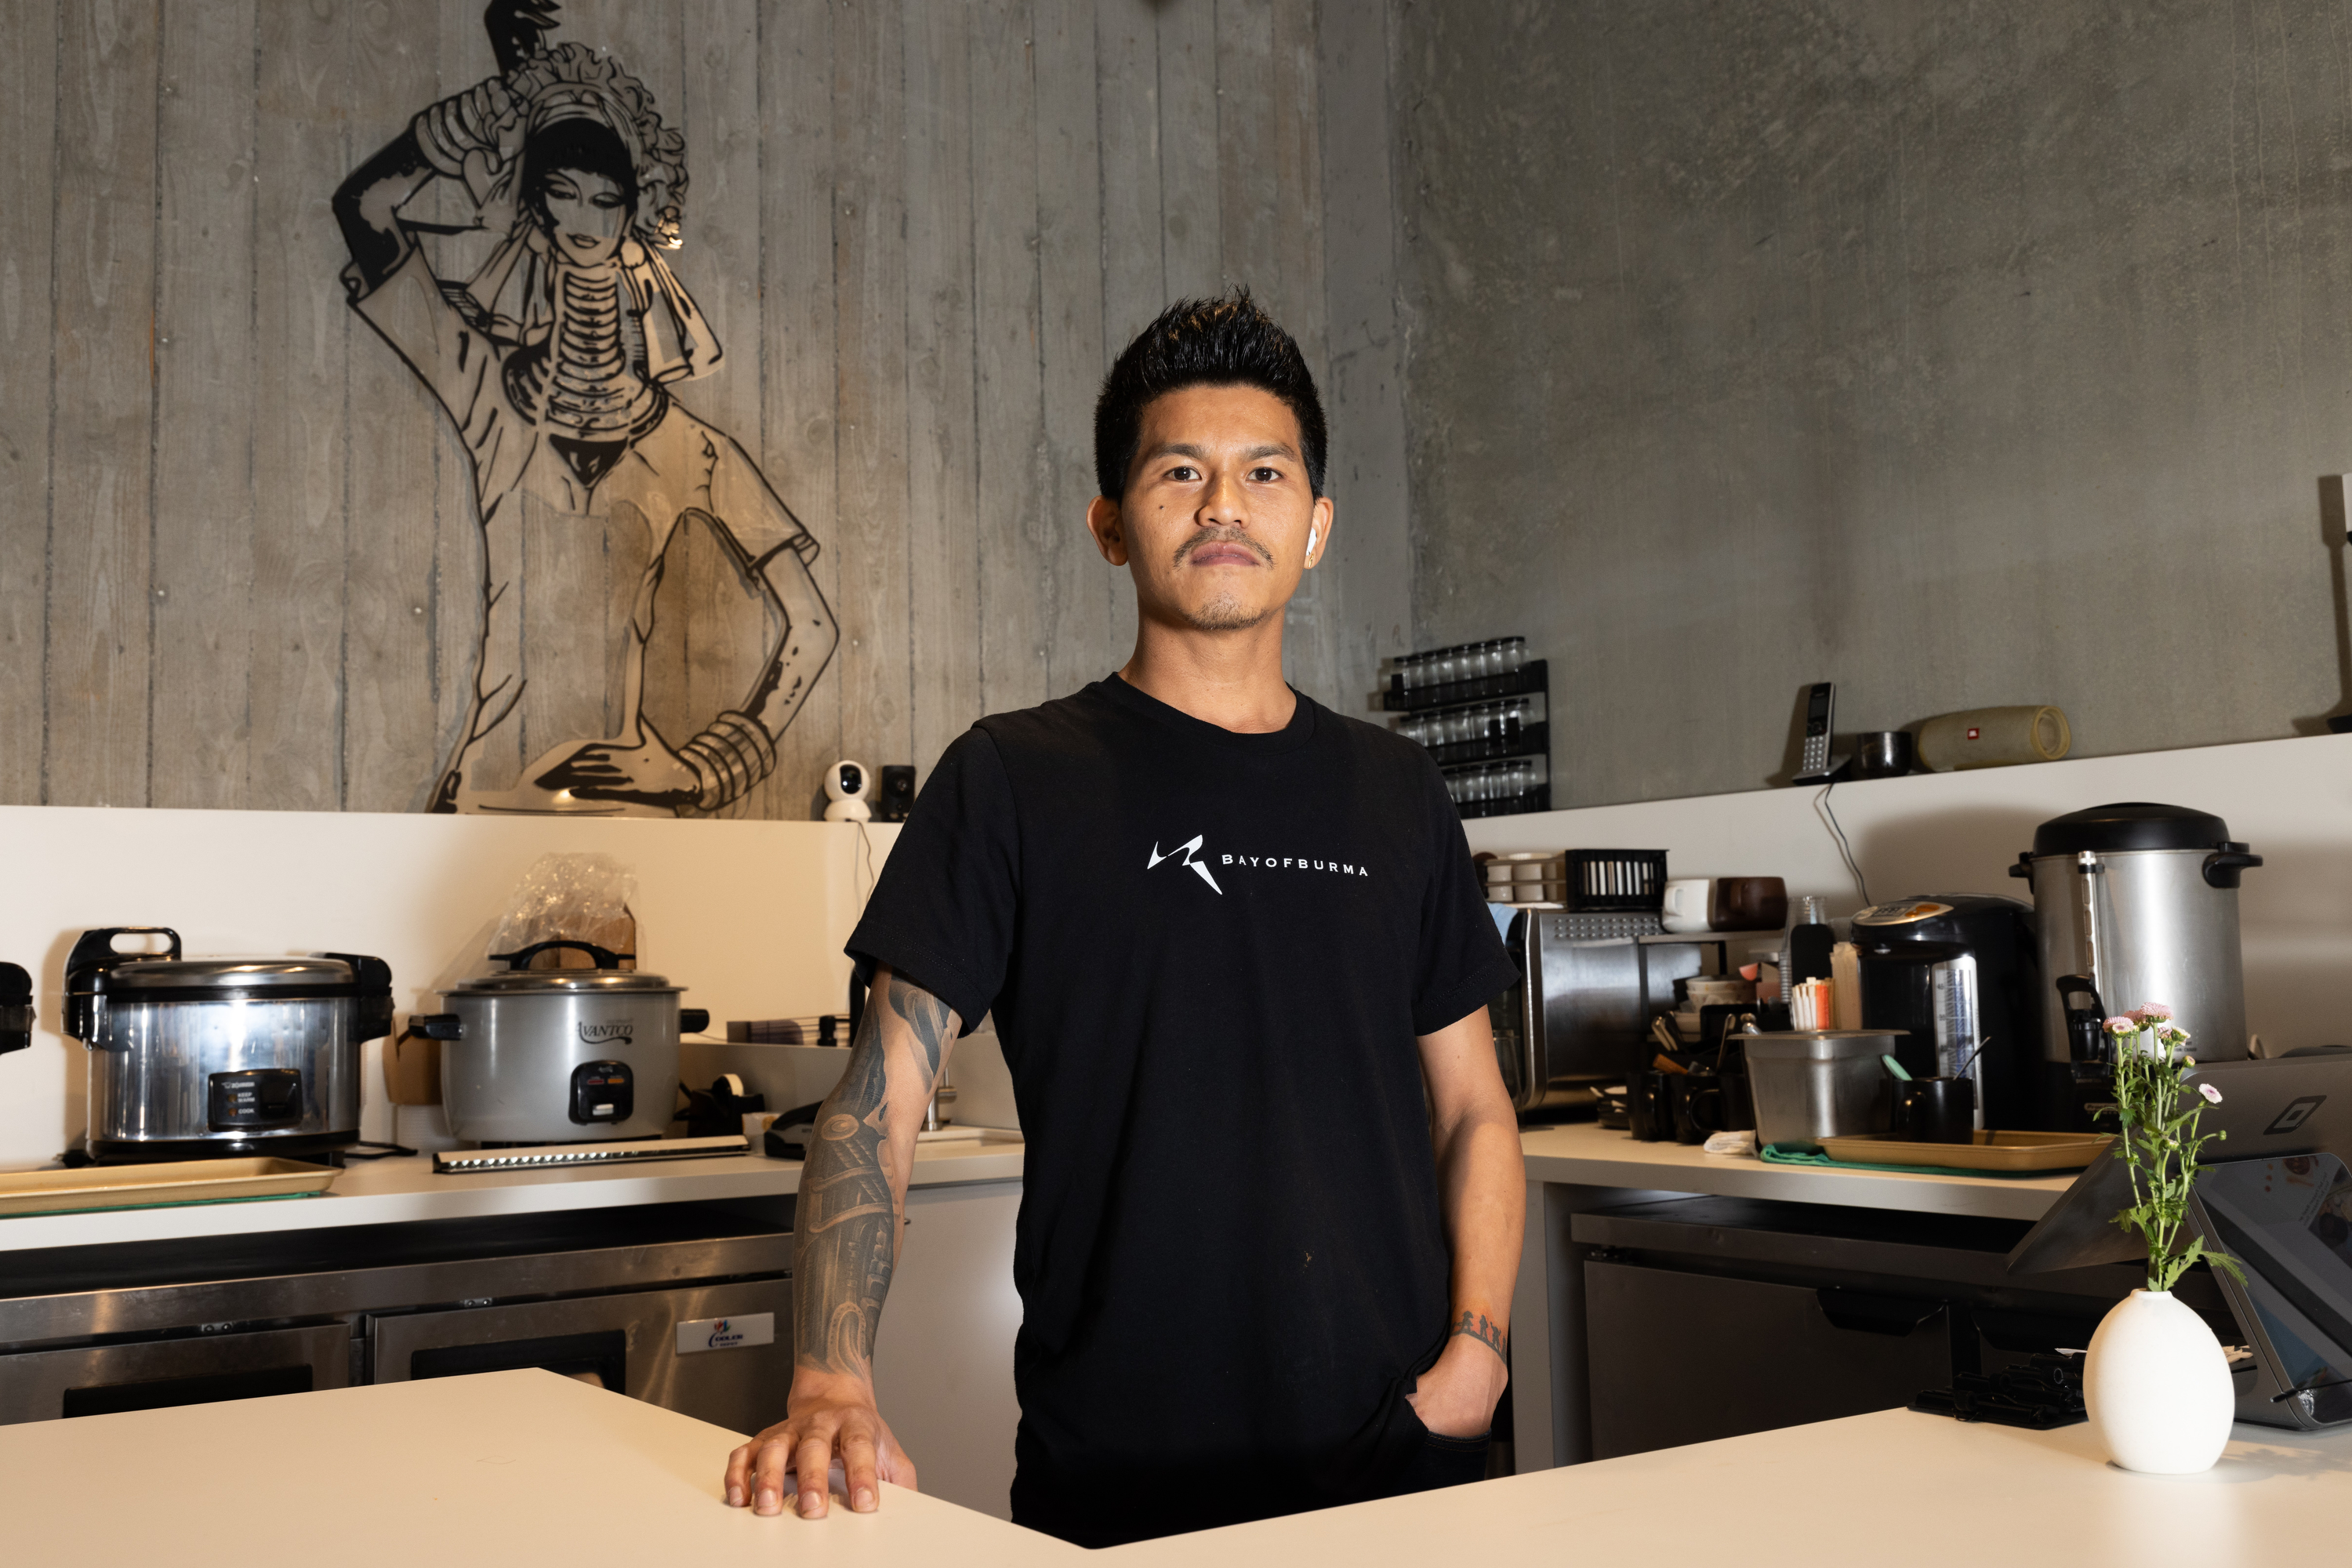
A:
x,y
382,1150
1822,805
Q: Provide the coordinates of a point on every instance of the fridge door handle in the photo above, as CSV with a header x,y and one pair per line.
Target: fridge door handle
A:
x,y
1870,1312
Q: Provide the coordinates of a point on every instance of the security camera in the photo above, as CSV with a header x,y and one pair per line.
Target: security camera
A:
x,y
845,784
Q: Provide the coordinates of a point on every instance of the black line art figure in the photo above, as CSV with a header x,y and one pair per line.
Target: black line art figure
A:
x,y
555,359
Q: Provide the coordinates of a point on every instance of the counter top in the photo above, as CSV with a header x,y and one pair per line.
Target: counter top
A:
x,y
398,1190
525,1468
1583,1154
395,1191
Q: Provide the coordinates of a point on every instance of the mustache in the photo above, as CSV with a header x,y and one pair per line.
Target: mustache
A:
x,y
1201,541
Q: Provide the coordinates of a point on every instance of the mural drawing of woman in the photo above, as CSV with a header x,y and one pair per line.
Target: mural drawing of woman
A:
x,y
555,361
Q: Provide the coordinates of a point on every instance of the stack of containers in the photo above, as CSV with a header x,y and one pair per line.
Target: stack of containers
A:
x,y
1527,878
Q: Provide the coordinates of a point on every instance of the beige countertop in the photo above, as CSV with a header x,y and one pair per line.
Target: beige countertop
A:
x,y
396,1191
1580,1153
399,1190
521,1469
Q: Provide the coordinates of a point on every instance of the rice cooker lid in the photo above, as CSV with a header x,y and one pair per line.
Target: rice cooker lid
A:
x,y
593,981
96,969
517,978
283,979
2132,825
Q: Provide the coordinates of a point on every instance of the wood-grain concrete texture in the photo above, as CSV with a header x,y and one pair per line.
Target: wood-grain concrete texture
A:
x,y
1964,355
240,564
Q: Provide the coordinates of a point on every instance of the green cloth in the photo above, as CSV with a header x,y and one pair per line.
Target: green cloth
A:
x,y
1773,1154
173,1204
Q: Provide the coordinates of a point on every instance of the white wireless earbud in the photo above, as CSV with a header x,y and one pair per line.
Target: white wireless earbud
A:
x,y
1313,533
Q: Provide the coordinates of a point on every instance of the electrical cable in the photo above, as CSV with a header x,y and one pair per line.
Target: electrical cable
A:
x,y
1845,850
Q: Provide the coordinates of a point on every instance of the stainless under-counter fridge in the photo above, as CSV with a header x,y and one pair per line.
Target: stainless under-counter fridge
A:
x,y
1714,1317
685,1306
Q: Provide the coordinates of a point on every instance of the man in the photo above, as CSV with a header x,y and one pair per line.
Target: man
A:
x,y
1239,965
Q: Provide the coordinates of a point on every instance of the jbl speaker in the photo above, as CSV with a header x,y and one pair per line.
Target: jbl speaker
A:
x,y
1994,738
898,796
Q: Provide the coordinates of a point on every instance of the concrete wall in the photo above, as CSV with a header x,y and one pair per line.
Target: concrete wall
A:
x,y
1961,354
1369,557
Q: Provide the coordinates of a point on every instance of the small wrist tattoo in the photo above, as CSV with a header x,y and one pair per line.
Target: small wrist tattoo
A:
x,y
1482,1329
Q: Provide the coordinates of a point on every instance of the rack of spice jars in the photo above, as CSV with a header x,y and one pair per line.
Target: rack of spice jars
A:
x,y
1467,672
1506,788
1483,710
1481,732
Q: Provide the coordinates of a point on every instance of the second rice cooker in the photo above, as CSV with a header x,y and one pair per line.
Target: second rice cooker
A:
x,y
559,1056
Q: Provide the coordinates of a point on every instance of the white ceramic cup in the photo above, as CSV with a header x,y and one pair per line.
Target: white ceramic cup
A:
x,y
1685,908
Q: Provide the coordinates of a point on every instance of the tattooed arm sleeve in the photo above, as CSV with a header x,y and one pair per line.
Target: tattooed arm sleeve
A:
x,y
854,1187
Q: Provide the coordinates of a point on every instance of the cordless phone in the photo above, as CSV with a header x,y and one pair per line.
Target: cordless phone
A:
x,y
1816,759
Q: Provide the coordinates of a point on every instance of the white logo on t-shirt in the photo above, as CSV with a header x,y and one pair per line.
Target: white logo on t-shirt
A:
x,y
1191,847
1187,850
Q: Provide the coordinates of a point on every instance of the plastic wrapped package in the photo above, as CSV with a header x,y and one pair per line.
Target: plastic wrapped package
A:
x,y
572,897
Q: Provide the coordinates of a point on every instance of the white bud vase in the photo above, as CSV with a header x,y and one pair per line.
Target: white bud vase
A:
x,y
2158,1388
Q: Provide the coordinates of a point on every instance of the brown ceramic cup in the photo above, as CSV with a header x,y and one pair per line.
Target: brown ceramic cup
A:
x,y
1748,903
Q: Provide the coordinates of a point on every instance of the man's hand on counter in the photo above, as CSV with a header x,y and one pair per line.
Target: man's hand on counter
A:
x,y
833,1419
1456,1398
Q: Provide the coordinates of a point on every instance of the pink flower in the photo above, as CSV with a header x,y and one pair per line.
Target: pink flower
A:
x,y
2120,1025
2209,1093
2149,1013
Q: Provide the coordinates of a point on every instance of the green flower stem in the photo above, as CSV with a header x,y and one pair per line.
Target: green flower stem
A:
x,y
2160,1146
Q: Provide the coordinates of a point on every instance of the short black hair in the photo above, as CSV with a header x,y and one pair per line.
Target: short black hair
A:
x,y
1223,341
580,142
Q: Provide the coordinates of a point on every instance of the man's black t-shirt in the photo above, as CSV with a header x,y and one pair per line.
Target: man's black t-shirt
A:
x,y
1208,955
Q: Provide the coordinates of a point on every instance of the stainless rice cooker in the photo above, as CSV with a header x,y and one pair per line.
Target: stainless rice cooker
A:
x,y
195,1058
559,1056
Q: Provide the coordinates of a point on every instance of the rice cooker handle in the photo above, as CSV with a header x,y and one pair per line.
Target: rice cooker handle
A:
x,y
605,956
15,1008
371,1004
693,1020
436,1025
97,947
92,956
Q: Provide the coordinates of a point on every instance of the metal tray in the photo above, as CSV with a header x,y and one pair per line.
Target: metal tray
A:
x,y
152,1187
1990,1151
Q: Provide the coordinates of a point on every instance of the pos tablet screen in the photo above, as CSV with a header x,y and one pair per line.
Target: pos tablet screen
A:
x,y
2288,1222
2295,1105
